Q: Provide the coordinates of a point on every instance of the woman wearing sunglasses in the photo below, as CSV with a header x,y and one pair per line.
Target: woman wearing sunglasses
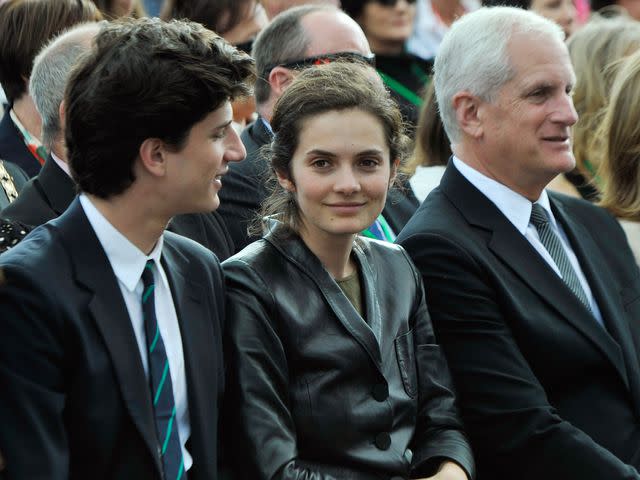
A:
x,y
387,25
333,367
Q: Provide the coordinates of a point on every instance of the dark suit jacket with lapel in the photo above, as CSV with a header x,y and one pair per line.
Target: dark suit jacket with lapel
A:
x,y
315,391
245,188
545,391
75,400
49,194
13,149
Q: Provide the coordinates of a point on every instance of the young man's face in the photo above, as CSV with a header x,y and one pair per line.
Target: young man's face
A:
x,y
196,171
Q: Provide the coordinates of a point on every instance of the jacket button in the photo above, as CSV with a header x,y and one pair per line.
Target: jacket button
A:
x,y
380,392
383,441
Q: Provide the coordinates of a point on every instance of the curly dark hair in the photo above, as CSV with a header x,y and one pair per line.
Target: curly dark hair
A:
x,y
145,79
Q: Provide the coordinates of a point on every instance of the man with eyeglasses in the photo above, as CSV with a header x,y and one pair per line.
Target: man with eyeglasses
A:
x,y
298,38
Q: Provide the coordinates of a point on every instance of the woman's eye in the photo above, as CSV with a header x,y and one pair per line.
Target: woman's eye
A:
x,y
320,163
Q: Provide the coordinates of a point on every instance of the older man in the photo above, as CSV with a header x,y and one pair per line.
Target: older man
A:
x,y
535,296
298,38
110,333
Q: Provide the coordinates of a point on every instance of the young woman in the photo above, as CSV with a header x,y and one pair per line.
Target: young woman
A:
x,y
333,366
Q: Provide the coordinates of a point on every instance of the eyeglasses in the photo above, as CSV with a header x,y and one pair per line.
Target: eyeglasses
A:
x,y
322,60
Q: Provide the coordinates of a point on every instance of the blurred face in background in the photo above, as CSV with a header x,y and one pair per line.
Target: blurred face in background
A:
x,y
274,7
632,6
387,24
254,20
563,12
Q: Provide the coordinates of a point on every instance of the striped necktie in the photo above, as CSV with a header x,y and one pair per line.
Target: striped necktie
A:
x,y
552,243
161,386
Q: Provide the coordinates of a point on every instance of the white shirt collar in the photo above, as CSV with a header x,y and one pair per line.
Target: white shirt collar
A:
x,y
64,166
514,206
126,259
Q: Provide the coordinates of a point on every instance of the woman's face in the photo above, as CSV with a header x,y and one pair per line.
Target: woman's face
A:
x,y
254,20
563,12
632,7
340,174
387,25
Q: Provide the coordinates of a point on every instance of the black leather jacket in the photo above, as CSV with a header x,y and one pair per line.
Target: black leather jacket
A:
x,y
318,393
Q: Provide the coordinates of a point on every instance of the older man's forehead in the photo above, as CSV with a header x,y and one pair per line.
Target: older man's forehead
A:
x,y
332,31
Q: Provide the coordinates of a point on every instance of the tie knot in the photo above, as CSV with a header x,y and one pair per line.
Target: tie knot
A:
x,y
538,215
147,274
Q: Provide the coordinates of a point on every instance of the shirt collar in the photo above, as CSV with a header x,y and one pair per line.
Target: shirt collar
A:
x,y
126,259
514,206
64,166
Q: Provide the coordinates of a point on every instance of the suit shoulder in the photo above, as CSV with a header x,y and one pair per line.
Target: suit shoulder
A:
x,y
583,210
191,249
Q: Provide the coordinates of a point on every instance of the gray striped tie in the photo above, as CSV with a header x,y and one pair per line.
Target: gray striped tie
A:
x,y
552,243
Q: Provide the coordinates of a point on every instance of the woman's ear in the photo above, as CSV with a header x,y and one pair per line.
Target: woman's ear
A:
x,y
394,171
285,182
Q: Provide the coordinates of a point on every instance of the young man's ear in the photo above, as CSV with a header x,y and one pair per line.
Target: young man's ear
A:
x,y
153,156
467,109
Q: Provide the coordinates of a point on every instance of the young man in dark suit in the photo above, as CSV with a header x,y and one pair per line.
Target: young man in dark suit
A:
x,y
535,296
110,333
51,192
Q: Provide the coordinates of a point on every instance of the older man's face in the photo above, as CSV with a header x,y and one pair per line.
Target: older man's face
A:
x,y
527,129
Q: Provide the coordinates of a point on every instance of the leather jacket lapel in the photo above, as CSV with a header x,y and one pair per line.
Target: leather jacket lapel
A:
x,y
294,249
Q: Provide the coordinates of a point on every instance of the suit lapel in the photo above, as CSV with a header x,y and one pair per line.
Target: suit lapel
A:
x,y
512,248
294,249
93,271
600,280
57,187
195,328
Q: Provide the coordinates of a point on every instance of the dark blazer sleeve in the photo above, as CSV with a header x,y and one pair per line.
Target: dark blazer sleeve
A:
x,y
439,432
32,437
506,408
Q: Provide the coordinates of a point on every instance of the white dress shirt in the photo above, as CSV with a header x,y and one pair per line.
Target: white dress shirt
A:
x,y
517,209
128,262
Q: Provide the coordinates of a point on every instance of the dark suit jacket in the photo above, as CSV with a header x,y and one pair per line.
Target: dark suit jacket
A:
x,y
315,391
19,179
49,194
13,149
244,190
545,391
75,400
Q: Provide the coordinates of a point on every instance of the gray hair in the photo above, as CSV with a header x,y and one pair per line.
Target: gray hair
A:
x,y
474,56
283,40
51,70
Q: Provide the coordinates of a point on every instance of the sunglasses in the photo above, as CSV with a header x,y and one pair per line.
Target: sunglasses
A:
x,y
322,60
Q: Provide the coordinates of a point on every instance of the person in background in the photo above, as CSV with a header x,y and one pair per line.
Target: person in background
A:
x,y
595,49
387,26
25,26
620,167
433,19
111,360
237,21
114,9
631,6
333,365
431,151
534,296
563,12
274,7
